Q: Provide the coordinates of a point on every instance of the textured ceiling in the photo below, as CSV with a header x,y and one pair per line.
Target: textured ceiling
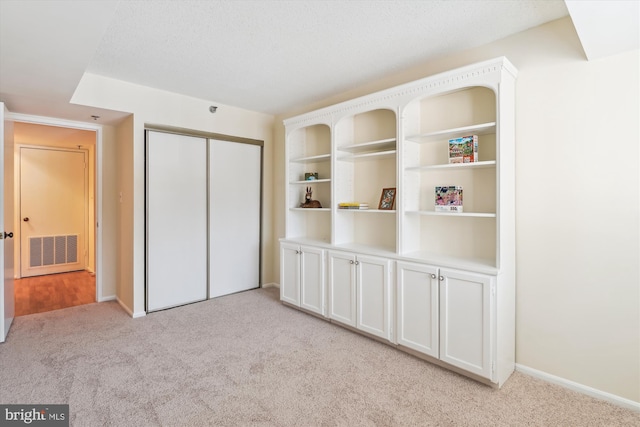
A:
x,y
273,56
265,55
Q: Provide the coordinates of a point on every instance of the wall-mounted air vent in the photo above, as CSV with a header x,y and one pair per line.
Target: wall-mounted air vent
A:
x,y
53,250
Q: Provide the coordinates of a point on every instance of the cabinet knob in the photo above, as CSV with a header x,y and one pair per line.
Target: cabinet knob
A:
x,y
441,278
433,276
351,262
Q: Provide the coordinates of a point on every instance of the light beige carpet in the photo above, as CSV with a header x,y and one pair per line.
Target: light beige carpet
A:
x,y
247,360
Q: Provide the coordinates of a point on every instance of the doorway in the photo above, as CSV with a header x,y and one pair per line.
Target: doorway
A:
x,y
55,254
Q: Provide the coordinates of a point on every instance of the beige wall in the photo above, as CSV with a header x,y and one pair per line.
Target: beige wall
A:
x,y
577,184
109,213
151,106
122,202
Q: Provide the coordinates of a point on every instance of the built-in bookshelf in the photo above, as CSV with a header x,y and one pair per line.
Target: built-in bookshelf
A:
x,y
309,151
430,122
365,163
399,139
365,266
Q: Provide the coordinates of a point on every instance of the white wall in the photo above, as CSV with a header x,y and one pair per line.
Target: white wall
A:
x,y
577,184
151,106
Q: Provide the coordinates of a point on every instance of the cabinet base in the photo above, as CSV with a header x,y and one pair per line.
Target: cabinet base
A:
x,y
445,365
305,311
404,349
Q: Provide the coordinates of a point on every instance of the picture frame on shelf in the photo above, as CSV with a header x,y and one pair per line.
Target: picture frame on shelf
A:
x,y
387,199
310,176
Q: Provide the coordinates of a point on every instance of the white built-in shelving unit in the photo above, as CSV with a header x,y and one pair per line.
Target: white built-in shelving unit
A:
x,y
437,284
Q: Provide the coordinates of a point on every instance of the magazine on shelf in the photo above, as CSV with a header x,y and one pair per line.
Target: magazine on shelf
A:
x,y
353,205
463,149
449,199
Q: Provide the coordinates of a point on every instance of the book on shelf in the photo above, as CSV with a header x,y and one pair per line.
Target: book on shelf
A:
x,y
353,205
449,198
463,149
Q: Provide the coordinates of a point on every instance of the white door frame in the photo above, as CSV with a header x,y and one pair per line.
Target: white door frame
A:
x,y
18,201
97,128
7,298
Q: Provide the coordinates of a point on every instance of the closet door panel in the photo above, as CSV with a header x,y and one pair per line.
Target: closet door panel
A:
x,y
235,206
176,220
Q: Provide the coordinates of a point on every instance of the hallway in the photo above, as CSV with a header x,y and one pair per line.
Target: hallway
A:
x,y
53,292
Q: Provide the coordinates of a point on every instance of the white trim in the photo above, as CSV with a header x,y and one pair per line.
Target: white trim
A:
x,y
97,128
108,298
271,285
580,388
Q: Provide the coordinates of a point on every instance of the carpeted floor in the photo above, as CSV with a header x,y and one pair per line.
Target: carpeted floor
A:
x,y
247,360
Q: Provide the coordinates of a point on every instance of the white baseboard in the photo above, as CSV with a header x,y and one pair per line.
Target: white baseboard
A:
x,y
129,311
139,314
271,285
580,388
107,298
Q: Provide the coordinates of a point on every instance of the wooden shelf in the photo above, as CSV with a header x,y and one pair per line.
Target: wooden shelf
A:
x,y
486,266
368,210
369,156
454,166
371,146
313,181
312,159
461,214
446,134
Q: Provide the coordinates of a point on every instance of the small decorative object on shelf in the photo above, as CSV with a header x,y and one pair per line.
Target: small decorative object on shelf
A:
x,y
387,198
449,199
308,202
353,205
463,149
310,176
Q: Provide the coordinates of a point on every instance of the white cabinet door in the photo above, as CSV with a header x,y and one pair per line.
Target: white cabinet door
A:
x,y
465,321
373,291
342,287
290,273
312,279
417,307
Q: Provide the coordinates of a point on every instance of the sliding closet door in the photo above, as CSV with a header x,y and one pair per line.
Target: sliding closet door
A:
x,y
235,205
176,220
